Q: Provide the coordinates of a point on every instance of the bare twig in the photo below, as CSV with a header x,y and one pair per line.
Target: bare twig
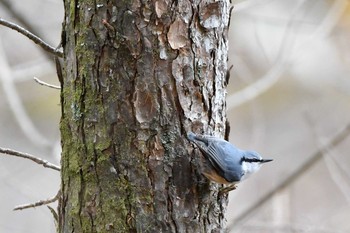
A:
x,y
43,162
46,84
32,37
55,216
39,203
13,12
7,5
293,177
59,71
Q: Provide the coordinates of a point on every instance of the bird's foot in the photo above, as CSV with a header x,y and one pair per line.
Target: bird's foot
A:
x,y
227,189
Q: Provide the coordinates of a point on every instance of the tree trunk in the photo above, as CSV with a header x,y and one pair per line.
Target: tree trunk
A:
x,y
138,75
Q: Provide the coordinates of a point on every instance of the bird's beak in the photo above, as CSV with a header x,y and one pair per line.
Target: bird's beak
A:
x,y
266,160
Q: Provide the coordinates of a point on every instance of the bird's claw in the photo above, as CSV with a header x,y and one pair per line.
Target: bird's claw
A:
x,y
227,189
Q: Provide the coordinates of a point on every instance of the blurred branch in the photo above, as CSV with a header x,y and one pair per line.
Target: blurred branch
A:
x,y
257,114
247,4
337,174
338,138
254,90
300,228
32,37
26,23
39,203
18,16
288,53
46,84
331,19
336,171
273,75
15,103
40,161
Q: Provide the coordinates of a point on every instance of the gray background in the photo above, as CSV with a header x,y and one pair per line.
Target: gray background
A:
x,y
288,95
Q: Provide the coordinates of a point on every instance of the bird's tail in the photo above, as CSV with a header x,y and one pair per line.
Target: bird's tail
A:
x,y
191,136
198,138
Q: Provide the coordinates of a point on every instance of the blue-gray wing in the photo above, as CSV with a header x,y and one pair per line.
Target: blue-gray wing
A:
x,y
226,160
223,156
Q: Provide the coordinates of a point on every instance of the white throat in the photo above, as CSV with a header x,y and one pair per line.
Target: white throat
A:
x,y
249,168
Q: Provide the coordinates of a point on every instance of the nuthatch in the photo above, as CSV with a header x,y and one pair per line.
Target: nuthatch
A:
x,y
226,164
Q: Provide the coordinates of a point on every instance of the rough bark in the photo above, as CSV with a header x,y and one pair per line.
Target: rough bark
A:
x,y
138,75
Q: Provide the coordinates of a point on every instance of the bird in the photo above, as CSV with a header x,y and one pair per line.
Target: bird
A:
x,y
225,163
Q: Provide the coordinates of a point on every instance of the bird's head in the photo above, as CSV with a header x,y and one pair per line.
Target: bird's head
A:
x,y
251,162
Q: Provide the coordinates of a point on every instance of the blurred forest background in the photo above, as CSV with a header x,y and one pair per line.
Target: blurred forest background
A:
x,y
288,98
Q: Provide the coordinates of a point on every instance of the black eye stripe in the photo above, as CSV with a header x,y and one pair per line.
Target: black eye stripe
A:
x,y
250,160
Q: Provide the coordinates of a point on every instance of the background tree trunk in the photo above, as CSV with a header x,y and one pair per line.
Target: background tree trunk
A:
x,y
138,75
